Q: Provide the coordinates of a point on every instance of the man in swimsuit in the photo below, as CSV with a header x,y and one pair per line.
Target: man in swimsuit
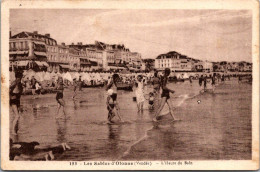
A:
x,y
33,84
15,91
165,95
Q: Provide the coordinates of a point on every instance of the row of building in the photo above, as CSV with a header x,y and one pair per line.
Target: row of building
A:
x,y
33,50
182,63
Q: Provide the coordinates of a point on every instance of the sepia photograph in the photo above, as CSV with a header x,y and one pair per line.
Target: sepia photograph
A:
x,y
108,87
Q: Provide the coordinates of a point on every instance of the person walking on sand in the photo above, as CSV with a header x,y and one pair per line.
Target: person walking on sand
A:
x,y
59,98
165,95
15,91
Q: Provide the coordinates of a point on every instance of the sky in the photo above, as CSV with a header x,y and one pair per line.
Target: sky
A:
x,y
213,35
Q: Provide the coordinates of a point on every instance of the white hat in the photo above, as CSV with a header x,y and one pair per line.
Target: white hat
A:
x,y
110,92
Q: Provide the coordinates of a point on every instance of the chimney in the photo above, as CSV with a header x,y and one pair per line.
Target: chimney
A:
x,y
10,34
48,35
72,43
35,32
79,43
63,44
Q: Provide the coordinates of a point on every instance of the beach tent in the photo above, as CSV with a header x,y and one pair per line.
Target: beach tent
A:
x,y
68,76
185,76
85,77
97,77
47,76
29,74
39,77
178,75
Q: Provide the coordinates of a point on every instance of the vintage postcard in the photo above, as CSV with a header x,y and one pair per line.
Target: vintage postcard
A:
x,y
130,85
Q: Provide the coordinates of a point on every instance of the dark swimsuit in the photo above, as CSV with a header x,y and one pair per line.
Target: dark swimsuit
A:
x,y
111,106
114,96
59,94
150,102
165,93
16,101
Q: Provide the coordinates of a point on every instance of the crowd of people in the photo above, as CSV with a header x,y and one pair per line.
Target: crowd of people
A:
x,y
157,98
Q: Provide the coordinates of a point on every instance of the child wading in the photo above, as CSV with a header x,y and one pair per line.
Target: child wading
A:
x,y
139,92
151,100
15,92
113,87
59,97
165,95
112,111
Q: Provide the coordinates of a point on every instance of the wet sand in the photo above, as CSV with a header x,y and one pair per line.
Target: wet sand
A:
x,y
216,127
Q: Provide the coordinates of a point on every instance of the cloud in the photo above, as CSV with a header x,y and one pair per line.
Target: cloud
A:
x,y
204,34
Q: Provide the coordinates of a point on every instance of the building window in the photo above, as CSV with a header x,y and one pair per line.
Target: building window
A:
x,y
22,48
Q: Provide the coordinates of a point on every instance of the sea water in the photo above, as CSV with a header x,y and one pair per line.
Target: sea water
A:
x,y
212,126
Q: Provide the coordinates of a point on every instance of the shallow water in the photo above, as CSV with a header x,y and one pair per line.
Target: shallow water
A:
x,y
212,126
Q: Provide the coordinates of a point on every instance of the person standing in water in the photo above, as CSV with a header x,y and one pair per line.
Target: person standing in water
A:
x,y
190,78
200,80
165,95
80,83
205,82
59,97
15,91
213,81
75,84
140,93
33,84
113,86
156,89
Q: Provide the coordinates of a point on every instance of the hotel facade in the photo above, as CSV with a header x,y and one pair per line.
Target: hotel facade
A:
x,y
41,52
181,63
